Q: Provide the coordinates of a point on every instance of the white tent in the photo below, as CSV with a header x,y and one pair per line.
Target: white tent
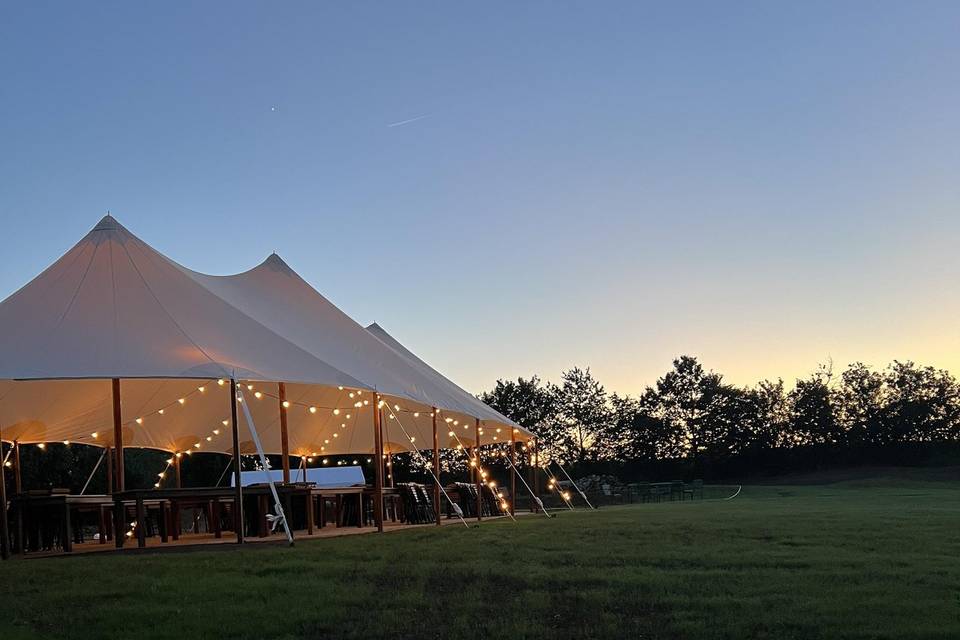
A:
x,y
113,307
493,430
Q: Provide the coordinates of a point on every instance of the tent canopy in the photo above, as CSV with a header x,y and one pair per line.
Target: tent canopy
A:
x,y
113,307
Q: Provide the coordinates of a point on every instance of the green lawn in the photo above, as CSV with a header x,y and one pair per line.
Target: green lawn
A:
x,y
853,559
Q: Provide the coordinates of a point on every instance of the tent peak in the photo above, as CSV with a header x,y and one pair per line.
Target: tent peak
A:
x,y
274,261
108,223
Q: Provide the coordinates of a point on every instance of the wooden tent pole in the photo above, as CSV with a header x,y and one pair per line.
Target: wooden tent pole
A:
x,y
476,456
109,470
284,438
436,466
513,471
119,515
238,488
535,473
18,485
118,433
17,478
176,467
4,523
378,454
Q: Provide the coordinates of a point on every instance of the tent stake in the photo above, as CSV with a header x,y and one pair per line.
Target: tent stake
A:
x,y
238,490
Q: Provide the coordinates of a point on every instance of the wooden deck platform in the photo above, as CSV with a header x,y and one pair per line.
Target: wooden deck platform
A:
x,y
207,541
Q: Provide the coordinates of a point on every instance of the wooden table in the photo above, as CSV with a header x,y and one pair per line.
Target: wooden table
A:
x,y
337,494
211,498
36,512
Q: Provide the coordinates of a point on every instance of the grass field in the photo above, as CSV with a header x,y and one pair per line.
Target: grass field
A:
x,y
876,558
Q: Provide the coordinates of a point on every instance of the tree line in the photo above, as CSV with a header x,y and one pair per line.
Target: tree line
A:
x,y
691,422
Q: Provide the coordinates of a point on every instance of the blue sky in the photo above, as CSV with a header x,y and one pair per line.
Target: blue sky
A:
x,y
764,185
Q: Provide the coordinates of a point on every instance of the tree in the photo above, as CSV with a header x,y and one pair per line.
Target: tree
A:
x,y
859,405
769,424
813,418
682,399
525,401
582,418
922,405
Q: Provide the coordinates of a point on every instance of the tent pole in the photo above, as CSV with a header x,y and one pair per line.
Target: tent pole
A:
x,y
279,516
238,487
513,471
17,478
118,508
436,466
284,437
378,454
389,465
109,470
4,523
384,454
476,456
536,474
118,433
177,461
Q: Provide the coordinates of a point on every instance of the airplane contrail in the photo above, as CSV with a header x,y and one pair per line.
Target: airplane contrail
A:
x,y
403,122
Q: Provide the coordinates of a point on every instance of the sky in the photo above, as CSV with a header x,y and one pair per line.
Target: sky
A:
x,y
518,188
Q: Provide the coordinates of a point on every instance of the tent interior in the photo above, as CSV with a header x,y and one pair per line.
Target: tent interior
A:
x,y
114,316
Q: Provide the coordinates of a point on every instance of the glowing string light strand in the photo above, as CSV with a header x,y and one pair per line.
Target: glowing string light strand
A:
x,y
579,490
555,484
429,466
475,462
539,502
